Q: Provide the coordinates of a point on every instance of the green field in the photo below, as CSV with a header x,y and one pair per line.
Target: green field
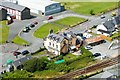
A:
x,y
70,21
4,30
44,74
43,31
19,41
86,7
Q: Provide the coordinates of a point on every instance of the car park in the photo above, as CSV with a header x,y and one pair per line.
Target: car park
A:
x,y
25,52
97,54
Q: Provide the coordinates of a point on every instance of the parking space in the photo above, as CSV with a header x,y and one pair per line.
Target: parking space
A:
x,y
103,49
7,51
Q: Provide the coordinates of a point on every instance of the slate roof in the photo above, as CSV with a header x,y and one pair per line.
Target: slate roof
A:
x,y
108,32
71,33
22,60
16,63
55,37
106,74
109,25
12,5
116,20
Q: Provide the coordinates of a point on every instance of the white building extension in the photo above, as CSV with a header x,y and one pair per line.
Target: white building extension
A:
x,y
43,7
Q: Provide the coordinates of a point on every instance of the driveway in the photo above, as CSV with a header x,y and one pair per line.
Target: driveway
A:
x,y
103,49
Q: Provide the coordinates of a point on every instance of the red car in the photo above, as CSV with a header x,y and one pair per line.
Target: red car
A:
x,y
50,17
16,53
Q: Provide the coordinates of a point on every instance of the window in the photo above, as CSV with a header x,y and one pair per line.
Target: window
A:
x,y
53,45
49,43
56,46
42,13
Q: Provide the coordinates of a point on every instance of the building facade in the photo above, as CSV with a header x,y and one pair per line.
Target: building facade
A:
x,y
42,7
20,12
3,14
62,43
56,44
106,28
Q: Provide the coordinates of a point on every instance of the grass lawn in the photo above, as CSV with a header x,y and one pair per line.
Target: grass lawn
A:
x,y
86,7
69,56
4,30
19,41
40,52
43,31
70,21
47,74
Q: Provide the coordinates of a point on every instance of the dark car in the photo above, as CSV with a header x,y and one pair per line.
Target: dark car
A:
x,y
28,28
25,52
35,22
88,47
32,25
97,54
50,17
16,53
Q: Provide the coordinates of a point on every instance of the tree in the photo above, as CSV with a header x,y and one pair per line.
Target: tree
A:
x,y
35,64
92,12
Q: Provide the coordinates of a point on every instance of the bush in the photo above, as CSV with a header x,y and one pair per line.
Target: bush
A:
x,y
35,64
60,57
17,74
92,12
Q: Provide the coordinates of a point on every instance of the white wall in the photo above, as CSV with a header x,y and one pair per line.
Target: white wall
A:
x,y
46,44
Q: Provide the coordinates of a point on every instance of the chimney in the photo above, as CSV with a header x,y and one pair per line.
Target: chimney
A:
x,y
51,31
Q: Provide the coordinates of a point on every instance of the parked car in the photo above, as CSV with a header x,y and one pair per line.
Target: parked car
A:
x,y
88,47
16,53
50,17
32,25
97,54
102,16
113,13
25,52
35,22
25,30
28,28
